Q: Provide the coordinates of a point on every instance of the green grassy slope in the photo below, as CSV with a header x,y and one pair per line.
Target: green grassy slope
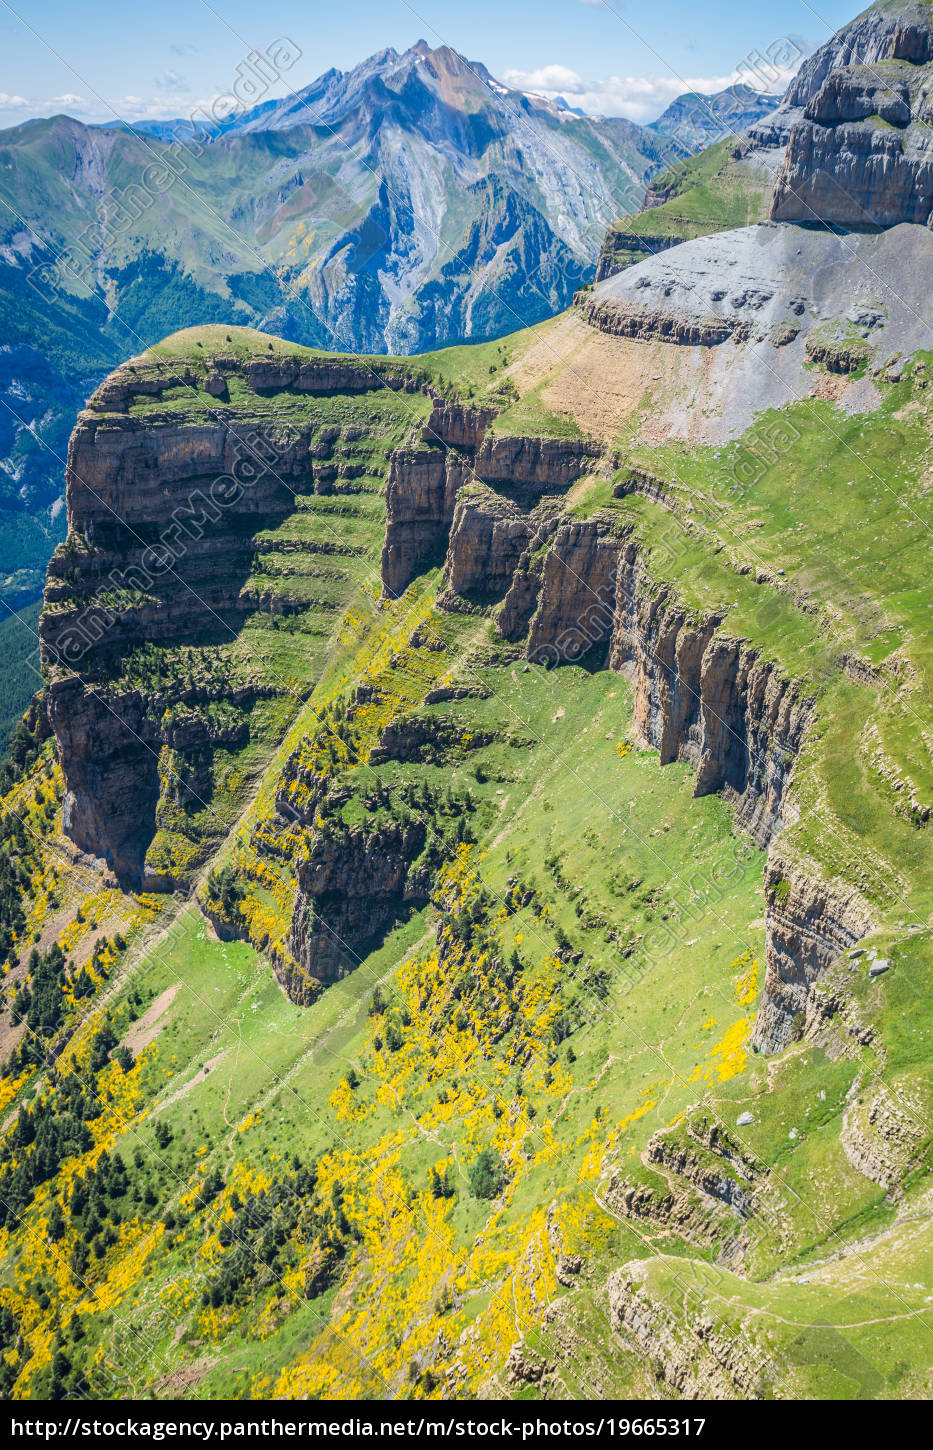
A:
x,y
710,192
453,1150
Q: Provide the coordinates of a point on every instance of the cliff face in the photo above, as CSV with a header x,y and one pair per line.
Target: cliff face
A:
x,y
420,497
888,31
125,583
699,695
352,885
857,119
621,318
487,537
168,482
710,700
859,156
810,922
425,523
578,588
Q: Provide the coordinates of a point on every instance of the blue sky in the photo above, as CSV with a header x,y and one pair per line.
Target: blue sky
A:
x,y
607,56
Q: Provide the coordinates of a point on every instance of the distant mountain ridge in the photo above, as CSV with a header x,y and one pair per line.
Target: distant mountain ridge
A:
x,y
410,202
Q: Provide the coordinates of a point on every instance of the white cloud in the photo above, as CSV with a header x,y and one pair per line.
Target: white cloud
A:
x,y
168,105
639,98
170,80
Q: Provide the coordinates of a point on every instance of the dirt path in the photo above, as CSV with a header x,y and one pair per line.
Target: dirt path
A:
x,y
146,1028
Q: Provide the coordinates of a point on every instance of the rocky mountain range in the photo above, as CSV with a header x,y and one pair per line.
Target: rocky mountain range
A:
x,y
408,203
465,905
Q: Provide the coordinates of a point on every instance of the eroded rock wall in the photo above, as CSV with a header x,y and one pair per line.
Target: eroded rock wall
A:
x,y
351,887
165,493
458,453
857,122
810,921
701,696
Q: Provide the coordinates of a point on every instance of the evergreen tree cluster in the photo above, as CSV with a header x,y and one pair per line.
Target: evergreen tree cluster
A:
x,y
48,1131
97,1207
261,1238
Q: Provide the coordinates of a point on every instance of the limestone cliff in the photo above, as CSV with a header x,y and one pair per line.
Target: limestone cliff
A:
x,y
425,482
173,470
579,588
810,921
857,121
352,884
487,537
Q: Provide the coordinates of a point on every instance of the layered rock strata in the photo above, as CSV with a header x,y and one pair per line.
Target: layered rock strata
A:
x,y
619,248
351,887
571,589
810,922
459,453
855,120
166,489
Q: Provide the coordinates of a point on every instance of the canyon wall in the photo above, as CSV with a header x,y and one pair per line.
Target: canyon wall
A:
x,y
167,484
569,589
491,508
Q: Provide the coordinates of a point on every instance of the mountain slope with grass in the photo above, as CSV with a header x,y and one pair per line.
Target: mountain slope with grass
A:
x,y
465,896
568,929
409,202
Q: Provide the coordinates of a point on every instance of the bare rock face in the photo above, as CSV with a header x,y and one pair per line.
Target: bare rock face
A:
x,y
521,598
483,541
119,584
623,318
532,465
890,30
577,593
458,425
709,700
351,887
697,1356
420,497
859,157
487,537
422,490
857,150
810,922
